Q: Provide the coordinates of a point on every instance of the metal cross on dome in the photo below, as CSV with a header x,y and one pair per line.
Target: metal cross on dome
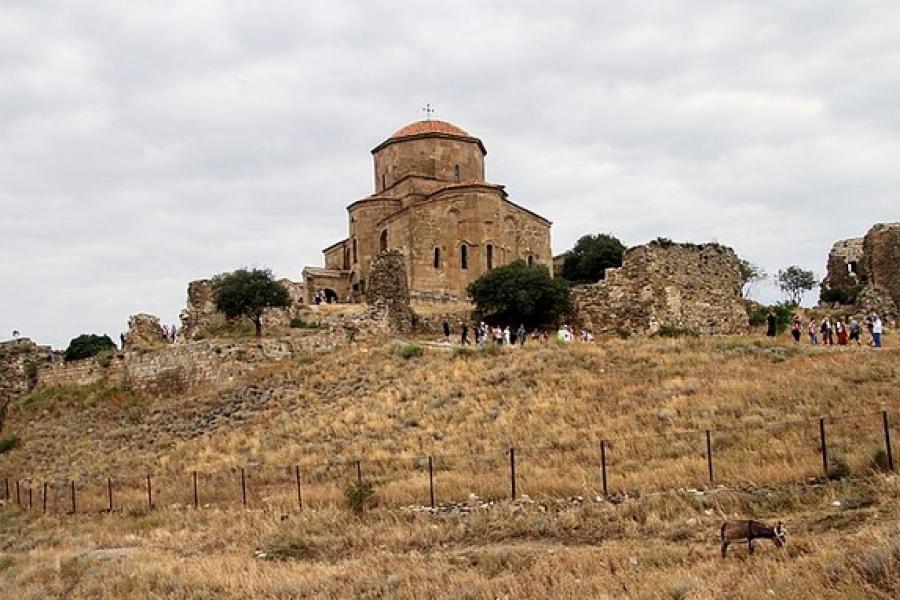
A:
x,y
428,110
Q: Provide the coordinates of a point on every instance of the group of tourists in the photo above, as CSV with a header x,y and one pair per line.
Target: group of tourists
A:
x,y
485,334
839,331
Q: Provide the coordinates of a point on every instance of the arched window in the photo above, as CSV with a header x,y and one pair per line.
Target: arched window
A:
x,y
355,259
382,244
490,256
464,256
346,258
383,186
437,258
456,172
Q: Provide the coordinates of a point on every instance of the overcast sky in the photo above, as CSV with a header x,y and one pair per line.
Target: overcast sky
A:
x,y
146,144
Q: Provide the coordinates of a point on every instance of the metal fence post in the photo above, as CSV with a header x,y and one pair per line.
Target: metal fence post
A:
x,y
30,505
44,496
709,456
512,471
603,465
824,445
243,489
74,506
196,495
299,489
431,481
109,493
18,497
887,440
149,494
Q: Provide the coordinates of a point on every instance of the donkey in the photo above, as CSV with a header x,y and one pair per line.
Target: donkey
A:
x,y
733,531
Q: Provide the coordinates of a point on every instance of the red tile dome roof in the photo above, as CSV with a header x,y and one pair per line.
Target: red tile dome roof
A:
x,y
429,126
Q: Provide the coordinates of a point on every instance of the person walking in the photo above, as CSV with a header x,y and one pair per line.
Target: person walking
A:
x,y
813,332
795,329
827,339
771,324
464,334
841,330
855,331
877,330
446,327
506,334
521,334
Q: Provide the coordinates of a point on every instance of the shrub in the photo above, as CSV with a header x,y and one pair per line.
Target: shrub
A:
x,y
463,352
840,295
838,468
880,460
675,331
104,359
88,345
31,370
408,351
517,293
248,293
8,443
298,323
359,495
784,312
592,255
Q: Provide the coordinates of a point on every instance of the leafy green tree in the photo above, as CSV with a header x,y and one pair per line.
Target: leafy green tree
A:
x,y
588,260
248,293
517,293
794,281
87,345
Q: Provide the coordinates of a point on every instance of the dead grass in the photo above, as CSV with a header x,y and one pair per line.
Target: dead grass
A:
x,y
651,400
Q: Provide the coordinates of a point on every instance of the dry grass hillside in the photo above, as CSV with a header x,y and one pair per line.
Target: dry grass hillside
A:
x,y
390,407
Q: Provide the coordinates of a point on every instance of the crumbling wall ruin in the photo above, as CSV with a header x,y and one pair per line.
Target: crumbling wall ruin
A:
x,y
144,332
19,363
865,272
201,319
387,291
695,287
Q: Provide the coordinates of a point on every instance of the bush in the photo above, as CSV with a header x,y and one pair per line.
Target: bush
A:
x,y
408,351
463,352
247,293
592,255
839,295
784,312
675,331
298,323
104,359
31,371
359,496
88,345
838,468
520,294
880,460
8,443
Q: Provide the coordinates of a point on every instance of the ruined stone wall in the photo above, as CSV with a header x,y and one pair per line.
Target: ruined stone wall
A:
x,y
200,317
388,291
695,287
846,269
20,361
182,366
881,259
144,332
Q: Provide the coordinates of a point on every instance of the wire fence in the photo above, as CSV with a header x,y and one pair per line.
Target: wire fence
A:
x,y
765,453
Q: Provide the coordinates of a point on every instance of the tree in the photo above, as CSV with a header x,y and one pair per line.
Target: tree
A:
x,y
592,255
751,275
248,293
517,293
793,281
87,345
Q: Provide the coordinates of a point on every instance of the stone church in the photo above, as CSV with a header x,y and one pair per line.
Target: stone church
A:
x,y
431,203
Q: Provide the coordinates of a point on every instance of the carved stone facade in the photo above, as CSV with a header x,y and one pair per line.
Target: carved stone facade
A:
x,y
684,286
433,205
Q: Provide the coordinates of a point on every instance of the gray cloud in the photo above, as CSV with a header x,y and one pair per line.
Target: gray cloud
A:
x,y
144,145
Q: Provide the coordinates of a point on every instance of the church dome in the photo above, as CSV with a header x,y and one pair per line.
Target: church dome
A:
x,y
429,126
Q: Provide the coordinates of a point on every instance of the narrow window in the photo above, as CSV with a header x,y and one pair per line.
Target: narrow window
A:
x,y
490,256
530,260
437,258
383,243
355,259
464,256
383,186
456,172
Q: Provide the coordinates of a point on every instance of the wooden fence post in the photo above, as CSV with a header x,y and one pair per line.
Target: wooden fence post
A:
x,y
824,446
299,489
709,456
431,481
603,465
887,440
196,494
243,489
512,472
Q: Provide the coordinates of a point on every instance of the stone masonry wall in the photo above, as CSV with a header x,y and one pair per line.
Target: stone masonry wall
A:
x,y
695,287
200,317
845,265
19,361
388,290
182,366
